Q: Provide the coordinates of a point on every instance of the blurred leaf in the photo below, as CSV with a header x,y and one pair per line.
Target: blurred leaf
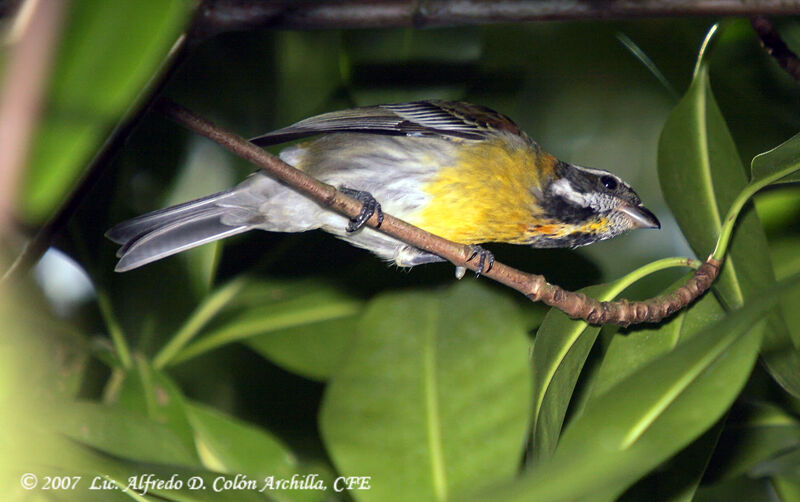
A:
x,y
207,169
302,325
125,433
787,487
149,391
108,53
653,413
701,175
783,160
629,351
742,488
754,434
434,396
307,73
231,446
314,350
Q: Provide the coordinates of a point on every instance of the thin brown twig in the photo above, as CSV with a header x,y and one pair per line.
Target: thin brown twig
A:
x,y
22,92
535,287
772,42
219,16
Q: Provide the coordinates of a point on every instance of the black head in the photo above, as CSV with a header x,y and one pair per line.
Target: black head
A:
x,y
590,205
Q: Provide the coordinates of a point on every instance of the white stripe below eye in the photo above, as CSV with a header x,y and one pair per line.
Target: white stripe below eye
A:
x,y
563,188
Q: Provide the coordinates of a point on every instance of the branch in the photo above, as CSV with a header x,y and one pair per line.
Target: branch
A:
x,y
35,33
535,287
217,16
772,42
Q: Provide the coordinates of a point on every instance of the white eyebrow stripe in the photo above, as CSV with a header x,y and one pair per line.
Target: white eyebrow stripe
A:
x,y
598,172
563,188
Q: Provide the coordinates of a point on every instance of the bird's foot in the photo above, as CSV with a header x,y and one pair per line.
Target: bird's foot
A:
x,y
369,207
484,257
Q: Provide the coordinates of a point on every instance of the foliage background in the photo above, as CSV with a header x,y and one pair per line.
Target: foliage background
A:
x,y
314,357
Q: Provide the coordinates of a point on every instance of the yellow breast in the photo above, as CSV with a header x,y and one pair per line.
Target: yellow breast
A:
x,y
488,194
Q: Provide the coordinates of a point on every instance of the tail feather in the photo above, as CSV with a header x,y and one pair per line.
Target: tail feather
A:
x,y
169,231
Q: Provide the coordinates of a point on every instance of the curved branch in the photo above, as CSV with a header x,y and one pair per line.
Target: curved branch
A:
x,y
535,287
772,42
219,16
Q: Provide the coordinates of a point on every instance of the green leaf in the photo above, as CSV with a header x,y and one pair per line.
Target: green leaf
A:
x,y
742,488
149,391
629,351
701,175
653,413
559,352
434,397
124,433
230,446
108,53
781,163
754,435
679,478
304,326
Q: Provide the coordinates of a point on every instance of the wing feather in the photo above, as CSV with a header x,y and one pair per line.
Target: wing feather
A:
x,y
419,118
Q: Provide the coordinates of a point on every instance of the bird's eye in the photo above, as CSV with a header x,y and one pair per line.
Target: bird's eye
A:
x,y
609,182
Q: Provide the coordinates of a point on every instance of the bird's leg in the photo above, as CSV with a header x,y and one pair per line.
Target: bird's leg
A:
x,y
483,256
369,207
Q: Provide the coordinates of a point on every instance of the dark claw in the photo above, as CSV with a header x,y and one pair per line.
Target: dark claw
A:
x,y
370,206
483,256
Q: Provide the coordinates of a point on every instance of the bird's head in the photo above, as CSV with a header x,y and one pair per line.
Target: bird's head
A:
x,y
587,205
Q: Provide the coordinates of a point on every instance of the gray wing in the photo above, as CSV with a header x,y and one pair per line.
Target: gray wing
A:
x,y
419,118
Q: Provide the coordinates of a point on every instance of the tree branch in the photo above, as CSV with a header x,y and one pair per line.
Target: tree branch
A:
x,y
217,16
535,287
772,42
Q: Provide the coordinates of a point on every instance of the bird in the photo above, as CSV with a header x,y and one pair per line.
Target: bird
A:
x,y
458,170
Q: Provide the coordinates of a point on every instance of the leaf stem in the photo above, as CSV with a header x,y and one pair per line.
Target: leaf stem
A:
x,y
114,330
625,281
202,314
733,213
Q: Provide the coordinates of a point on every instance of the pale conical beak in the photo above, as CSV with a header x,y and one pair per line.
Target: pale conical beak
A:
x,y
641,216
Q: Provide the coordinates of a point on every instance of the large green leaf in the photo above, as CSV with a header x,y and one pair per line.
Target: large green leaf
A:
x,y
701,175
627,352
433,399
653,413
783,161
108,53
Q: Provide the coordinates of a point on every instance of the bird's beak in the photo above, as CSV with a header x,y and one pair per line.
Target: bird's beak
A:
x,y
641,216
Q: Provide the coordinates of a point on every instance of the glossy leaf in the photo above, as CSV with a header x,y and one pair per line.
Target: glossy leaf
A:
x,y
701,175
783,161
629,351
108,53
654,412
559,352
434,396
